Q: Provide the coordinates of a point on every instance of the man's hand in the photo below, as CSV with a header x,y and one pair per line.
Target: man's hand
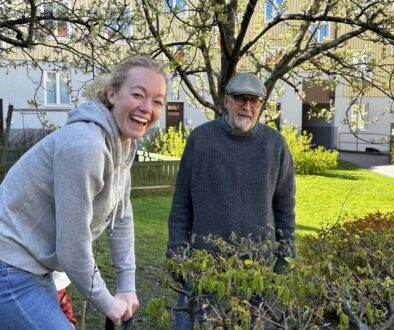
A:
x,y
131,301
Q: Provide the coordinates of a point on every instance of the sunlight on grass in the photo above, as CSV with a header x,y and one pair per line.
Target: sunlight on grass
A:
x,y
348,191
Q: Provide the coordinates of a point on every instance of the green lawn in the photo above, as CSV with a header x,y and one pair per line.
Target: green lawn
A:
x,y
348,191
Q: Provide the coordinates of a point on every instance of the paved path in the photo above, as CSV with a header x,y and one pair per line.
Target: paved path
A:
x,y
374,162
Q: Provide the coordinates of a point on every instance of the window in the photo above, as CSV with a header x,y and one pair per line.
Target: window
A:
x,y
274,55
174,4
118,25
56,89
273,8
320,31
359,117
216,38
362,66
2,48
179,54
57,28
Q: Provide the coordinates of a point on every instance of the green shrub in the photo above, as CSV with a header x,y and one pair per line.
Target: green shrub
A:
x,y
344,279
357,259
308,160
170,143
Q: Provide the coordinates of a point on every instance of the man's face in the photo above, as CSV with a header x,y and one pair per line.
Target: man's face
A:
x,y
243,111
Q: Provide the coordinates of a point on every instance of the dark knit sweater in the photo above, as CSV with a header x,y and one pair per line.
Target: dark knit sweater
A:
x,y
228,183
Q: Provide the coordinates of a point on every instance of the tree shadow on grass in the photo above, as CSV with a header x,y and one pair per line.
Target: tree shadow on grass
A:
x,y
342,176
306,228
344,166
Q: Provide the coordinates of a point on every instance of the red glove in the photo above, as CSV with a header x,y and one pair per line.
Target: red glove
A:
x,y
65,305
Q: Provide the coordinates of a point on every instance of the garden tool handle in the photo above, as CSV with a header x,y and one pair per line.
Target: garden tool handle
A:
x,y
126,325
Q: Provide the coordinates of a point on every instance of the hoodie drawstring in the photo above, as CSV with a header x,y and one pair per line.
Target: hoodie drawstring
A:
x,y
124,191
120,183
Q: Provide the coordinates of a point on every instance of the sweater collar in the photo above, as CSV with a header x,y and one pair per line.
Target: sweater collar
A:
x,y
224,121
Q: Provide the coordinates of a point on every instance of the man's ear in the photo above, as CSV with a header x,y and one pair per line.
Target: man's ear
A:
x,y
111,96
225,100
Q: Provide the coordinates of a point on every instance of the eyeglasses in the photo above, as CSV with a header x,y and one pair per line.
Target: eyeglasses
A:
x,y
241,100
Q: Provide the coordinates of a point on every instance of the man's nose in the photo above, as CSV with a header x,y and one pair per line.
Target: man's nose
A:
x,y
247,104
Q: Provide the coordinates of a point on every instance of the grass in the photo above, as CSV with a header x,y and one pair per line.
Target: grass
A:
x,y
348,191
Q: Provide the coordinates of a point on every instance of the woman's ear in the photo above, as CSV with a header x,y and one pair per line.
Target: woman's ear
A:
x,y
111,97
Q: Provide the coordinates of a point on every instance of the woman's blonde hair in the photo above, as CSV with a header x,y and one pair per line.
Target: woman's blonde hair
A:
x,y
99,88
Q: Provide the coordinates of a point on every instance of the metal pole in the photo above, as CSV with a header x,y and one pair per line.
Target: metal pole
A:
x,y
1,120
6,134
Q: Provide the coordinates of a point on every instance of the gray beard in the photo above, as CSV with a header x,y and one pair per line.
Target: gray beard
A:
x,y
236,131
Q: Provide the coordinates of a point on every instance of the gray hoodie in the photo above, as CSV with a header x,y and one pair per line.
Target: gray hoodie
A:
x,y
62,194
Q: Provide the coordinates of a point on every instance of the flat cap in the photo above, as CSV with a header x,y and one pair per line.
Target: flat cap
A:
x,y
245,83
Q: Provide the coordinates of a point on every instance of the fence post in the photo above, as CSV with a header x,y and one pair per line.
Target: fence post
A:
x,y
7,133
1,120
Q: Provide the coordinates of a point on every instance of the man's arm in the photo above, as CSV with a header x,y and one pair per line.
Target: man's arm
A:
x,y
181,215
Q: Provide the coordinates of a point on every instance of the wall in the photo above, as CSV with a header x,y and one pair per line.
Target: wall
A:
x,y
375,132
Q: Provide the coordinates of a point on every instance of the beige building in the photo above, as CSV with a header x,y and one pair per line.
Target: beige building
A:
x,y
57,90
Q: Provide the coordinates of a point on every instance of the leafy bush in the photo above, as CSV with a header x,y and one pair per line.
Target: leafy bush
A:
x,y
170,143
306,159
358,262
343,280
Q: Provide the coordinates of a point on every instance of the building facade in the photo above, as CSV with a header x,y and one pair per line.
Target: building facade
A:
x,y
55,91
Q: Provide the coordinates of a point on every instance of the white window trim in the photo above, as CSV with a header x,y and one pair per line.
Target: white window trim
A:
x,y
168,10
274,10
57,77
129,28
216,42
357,61
67,3
317,34
358,117
2,47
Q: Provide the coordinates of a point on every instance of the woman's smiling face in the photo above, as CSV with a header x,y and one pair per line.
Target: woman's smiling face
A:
x,y
137,105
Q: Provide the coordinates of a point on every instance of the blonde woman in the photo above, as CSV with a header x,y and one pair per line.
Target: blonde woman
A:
x,y
69,188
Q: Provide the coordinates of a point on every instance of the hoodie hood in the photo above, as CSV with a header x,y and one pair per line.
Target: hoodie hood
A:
x,y
99,114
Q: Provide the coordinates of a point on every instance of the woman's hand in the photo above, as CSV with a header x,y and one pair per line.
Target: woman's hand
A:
x,y
123,307
132,303
117,311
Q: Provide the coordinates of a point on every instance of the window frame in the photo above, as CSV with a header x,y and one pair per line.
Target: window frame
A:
x,y
317,36
180,3
359,117
55,30
275,10
58,103
362,64
277,53
116,36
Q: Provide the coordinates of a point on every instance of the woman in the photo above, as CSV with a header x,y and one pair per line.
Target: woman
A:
x,y
65,191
